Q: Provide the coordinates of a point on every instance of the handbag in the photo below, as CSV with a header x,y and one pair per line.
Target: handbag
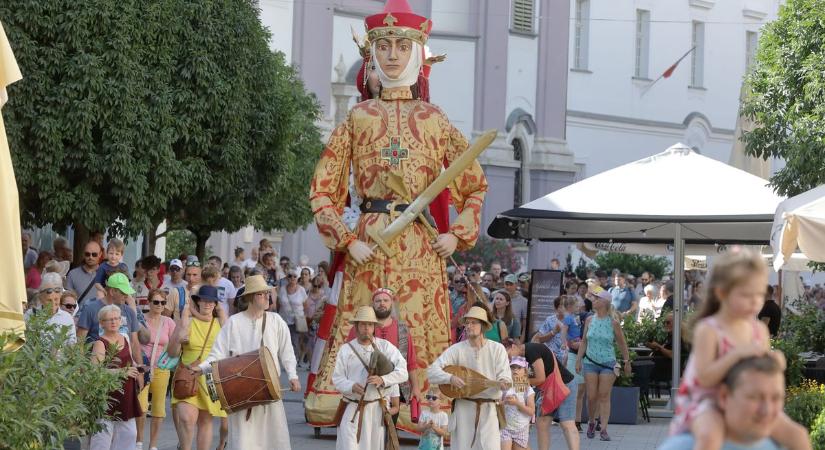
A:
x,y
185,381
300,322
553,391
167,362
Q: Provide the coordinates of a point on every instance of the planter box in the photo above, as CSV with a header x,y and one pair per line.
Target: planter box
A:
x,y
624,405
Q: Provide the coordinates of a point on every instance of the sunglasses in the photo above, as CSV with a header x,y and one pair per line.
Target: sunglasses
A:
x,y
290,276
159,302
193,263
431,397
52,290
91,254
174,269
459,282
69,305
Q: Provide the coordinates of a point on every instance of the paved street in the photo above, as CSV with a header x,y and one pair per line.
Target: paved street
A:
x,y
639,437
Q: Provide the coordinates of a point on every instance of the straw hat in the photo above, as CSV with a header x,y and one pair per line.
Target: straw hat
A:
x,y
364,314
477,312
598,291
254,284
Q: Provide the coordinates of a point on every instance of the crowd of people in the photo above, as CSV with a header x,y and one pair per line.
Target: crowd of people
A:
x,y
200,313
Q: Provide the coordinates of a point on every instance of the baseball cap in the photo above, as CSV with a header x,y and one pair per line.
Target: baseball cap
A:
x,y
510,279
176,263
519,361
120,282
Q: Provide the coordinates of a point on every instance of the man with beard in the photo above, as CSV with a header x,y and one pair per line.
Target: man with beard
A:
x,y
390,329
362,424
474,424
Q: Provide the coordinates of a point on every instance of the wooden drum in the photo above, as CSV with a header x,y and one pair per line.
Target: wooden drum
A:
x,y
244,381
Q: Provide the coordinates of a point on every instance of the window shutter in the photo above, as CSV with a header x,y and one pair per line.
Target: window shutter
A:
x,y
523,15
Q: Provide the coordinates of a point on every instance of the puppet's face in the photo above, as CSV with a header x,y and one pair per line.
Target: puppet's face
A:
x,y
393,54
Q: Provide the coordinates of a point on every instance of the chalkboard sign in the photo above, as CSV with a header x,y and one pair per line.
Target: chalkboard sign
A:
x,y
545,286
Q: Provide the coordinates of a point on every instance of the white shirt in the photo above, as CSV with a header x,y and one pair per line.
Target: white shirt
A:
x,y
291,305
226,292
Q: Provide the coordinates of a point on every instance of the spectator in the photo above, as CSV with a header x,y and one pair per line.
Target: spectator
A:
x,y
503,312
622,297
488,281
193,337
175,278
432,424
151,280
240,257
518,304
226,289
291,306
663,352
29,254
495,269
458,296
117,293
114,261
305,279
697,295
62,251
316,300
192,274
647,304
519,408
573,321
771,313
82,278
750,400
541,359
553,332
601,276
48,299
161,329
252,262
119,432
555,264
35,272
68,303
597,359
666,293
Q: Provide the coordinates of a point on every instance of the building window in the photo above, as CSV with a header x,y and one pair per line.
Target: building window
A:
x,y
697,57
581,34
523,16
751,42
642,42
518,189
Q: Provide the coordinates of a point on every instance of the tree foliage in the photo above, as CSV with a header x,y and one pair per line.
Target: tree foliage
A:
x,y
633,264
488,250
48,395
787,96
133,112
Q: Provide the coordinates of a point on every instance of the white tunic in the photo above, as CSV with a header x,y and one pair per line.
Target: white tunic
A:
x,y
348,371
492,362
266,428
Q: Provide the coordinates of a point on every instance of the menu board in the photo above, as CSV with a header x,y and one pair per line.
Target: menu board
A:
x,y
545,286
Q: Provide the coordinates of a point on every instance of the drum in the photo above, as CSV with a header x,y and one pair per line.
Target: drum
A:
x,y
244,381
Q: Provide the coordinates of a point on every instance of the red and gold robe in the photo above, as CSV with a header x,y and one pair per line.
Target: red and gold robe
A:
x,y
413,139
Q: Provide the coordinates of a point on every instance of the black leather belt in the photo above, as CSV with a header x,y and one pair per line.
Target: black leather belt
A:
x,y
381,206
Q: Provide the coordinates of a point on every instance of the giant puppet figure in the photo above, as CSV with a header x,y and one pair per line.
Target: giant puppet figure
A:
x,y
396,136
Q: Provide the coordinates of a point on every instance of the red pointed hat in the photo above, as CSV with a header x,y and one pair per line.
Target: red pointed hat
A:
x,y
398,20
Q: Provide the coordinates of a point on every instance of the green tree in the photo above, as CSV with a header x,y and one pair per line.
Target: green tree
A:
x,y
134,112
786,91
48,395
633,264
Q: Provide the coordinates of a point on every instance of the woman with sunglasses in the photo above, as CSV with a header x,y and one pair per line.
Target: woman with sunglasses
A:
x,y
161,329
48,299
292,299
68,303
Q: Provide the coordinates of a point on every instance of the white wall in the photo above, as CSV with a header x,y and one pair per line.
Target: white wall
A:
x,y
522,71
610,89
452,82
277,16
452,16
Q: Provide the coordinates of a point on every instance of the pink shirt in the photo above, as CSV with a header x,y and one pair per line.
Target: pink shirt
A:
x,y
167,326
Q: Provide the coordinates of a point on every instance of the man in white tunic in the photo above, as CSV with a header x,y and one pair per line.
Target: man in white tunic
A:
x,y
474,423
266,427
351,378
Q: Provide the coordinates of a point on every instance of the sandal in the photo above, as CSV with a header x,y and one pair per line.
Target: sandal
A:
x,y
591,430
604,436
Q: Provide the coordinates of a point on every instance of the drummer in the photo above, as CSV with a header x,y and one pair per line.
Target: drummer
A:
x,y
474,424
263,426
365,395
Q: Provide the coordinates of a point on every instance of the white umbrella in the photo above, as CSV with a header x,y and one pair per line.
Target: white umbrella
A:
x,y
688,198
799,222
